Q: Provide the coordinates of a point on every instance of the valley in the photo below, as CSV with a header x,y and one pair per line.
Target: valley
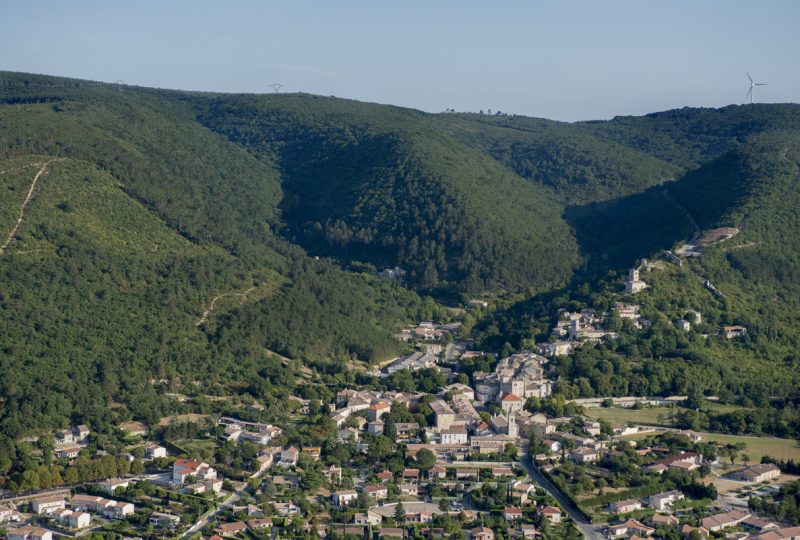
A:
x,y
291,315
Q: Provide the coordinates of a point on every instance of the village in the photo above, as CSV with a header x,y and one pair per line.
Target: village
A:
x,y
483,452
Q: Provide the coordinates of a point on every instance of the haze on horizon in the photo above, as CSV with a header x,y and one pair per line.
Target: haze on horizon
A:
x,y
569,61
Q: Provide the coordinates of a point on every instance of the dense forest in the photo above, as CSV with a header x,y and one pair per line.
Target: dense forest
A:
x,y
181,238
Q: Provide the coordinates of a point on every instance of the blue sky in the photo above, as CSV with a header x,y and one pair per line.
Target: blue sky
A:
x,y
566,60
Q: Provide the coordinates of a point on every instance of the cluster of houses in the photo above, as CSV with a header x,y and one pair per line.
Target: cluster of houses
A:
x,y
427,331
81,508
238,430
71,441
195,476
575,328
520,374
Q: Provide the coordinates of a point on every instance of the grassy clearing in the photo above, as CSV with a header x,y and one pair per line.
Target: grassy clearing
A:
x,y
654,416
759,446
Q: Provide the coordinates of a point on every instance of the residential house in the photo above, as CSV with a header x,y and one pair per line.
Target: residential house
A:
x,y
459,390
419,517
259,524
153,451
111,484
375,427
625,507
8,513
686,530
378,491
690,460
528,531
663,501
437,471
289,457
583,455
512,513
732,332
591,427
628,528
185,468
344,497
391,533
333,474
29,533
664,520
551,445
285,509
411,490
788,533
453,436
467,474
69,452
118,510
367,518
47,505
551,513
231,529
481,533
718,522
162,520
443,413
499,472
377,410
414,362
758,525
406,430
385,476
77,520
411,475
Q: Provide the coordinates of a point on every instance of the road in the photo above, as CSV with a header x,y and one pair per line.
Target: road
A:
x,y
234,497
589,531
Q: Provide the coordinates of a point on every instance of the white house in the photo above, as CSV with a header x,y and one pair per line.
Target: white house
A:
x,y
344,497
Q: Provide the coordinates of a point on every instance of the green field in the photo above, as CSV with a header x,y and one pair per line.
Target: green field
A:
x,y
659,416
654,416
759,446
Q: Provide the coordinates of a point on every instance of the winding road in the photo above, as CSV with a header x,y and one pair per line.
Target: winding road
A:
x,y
589,531
234,497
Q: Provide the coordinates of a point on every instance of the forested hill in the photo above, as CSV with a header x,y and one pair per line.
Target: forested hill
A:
x,y
751,279
147,251
153,235
387,186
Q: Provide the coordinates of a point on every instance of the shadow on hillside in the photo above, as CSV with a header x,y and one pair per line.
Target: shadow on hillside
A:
x,y
615,233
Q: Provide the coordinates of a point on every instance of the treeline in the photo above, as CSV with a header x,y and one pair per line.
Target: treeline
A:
x,y
82,470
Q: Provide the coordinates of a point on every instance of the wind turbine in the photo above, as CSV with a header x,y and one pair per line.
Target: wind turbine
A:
x,y
751,92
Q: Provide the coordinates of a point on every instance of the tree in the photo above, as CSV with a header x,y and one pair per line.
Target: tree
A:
x,y
444,504
137,467
426,459
380,448
399,513
745,458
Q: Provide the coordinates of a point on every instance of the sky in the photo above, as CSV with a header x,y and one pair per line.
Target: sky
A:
x,y
564,60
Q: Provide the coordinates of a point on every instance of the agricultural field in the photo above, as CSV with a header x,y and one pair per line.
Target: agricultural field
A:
x,y
654,416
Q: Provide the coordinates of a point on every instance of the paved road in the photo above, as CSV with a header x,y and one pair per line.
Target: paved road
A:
x,y
589,531
206,518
